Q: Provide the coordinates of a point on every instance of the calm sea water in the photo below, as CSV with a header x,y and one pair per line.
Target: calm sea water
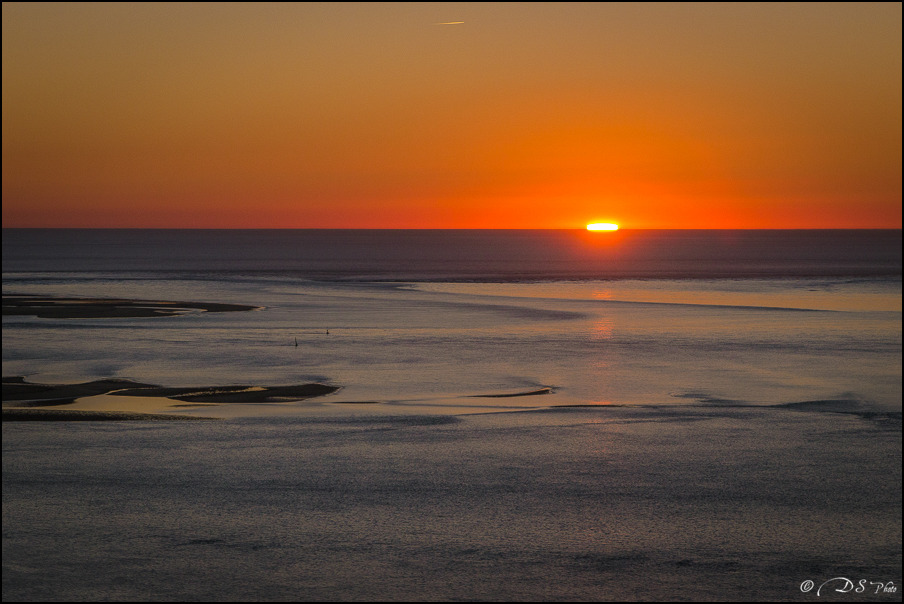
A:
x,y
744,435
460,255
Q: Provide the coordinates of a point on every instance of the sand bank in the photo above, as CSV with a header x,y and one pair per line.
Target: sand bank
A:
x,y
51,307
125,399
75,415
537,392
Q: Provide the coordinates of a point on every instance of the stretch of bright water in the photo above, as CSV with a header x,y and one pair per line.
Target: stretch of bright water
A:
x,y
744,434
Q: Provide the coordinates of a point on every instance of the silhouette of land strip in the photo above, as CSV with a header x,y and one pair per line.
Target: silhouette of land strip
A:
x,y
23,400
539,391
51,307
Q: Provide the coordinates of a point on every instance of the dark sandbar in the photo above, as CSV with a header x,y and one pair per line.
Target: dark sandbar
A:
x,y
17,389
234,394
50,307
74,415
24,401
528,393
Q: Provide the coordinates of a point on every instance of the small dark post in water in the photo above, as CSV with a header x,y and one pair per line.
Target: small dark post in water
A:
x,y
296,342
327,332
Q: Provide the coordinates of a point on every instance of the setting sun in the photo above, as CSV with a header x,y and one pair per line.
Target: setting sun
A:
x,y
602,226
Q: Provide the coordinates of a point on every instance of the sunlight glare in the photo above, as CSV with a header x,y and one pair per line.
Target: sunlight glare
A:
x,y
602,226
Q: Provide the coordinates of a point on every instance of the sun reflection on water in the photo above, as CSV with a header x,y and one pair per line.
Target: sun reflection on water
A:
x,y
602,329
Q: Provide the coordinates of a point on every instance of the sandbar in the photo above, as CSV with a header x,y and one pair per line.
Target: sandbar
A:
x,y
52,307
127,400
538,392
75,415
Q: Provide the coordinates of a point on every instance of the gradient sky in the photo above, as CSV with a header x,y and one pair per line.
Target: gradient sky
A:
x,y
526,115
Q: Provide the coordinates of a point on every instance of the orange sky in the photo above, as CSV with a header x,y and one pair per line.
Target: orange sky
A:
x,y
527,115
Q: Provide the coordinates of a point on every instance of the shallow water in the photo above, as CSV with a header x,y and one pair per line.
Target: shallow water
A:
x,y
427,343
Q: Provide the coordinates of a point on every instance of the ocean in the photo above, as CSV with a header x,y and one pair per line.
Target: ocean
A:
x,y
521,415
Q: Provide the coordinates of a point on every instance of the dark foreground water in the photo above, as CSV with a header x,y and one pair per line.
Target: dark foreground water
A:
x,y
702,503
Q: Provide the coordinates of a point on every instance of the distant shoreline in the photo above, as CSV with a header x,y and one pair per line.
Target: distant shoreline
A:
x,y
578,229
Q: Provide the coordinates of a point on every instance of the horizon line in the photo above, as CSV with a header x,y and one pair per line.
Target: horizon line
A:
x,y
621,229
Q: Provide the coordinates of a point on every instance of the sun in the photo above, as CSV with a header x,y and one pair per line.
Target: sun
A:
x,y
602,226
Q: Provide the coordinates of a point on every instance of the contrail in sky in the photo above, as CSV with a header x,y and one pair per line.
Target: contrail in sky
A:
x,y
450,23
